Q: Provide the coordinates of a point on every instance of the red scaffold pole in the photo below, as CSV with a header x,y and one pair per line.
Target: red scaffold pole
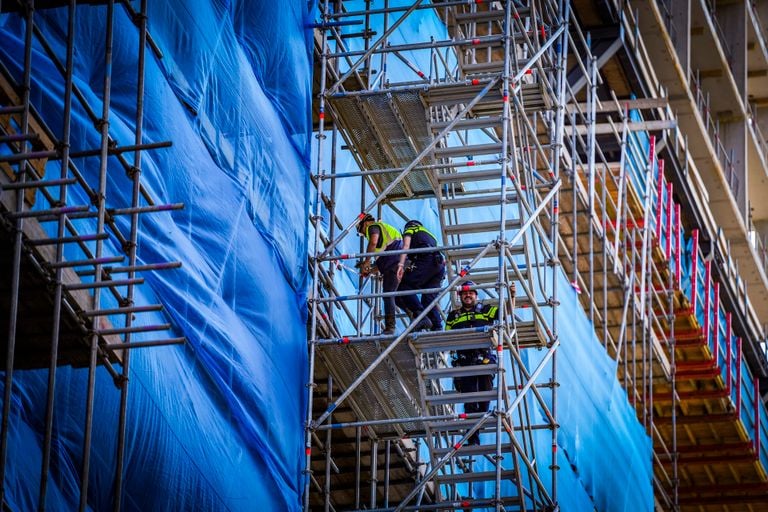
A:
x,y
694,269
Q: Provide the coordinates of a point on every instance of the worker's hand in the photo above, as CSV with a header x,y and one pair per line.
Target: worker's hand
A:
x,y
365,269
400,271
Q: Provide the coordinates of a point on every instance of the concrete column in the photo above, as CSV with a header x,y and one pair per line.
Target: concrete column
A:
x,y
734,137
733,20
681,32
732,17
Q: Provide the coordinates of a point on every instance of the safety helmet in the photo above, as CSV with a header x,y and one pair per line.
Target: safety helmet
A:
x,y
412,224
361,225
465,286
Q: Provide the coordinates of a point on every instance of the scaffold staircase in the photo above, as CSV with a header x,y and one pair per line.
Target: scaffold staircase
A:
x,y
475,132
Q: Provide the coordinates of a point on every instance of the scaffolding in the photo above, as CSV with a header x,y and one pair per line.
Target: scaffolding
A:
x,y
70,295
510,113
474,121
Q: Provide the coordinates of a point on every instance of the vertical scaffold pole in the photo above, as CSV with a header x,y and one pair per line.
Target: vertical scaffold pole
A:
x,y
563,8
17,241
671,284
328,440
101,197
502,275
59,285
315,264
591,169
135,176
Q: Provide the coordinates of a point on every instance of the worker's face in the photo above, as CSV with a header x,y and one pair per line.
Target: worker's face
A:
x,y
468,298
364,228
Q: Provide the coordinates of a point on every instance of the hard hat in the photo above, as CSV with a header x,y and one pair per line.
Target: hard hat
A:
x,y
361,225
412,224
465,287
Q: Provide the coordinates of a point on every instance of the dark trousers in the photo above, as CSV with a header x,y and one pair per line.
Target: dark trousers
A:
x,y
471,384
387,265
424,274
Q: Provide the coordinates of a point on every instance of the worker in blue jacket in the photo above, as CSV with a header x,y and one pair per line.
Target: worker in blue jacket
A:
x,y
382,238
472,314
420,271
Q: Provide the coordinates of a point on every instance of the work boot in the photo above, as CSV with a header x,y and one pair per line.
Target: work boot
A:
x,y
389,324
436,318
424,325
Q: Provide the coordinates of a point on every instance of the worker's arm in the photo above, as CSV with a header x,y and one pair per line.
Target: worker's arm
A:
x,y
401,263
365,268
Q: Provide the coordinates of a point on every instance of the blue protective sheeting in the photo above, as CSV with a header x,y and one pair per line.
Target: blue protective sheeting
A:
x,y
603,441
216,424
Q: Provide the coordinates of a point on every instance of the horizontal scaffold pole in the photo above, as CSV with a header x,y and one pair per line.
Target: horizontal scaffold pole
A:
x,y
420,250
342,298
376,337
392,10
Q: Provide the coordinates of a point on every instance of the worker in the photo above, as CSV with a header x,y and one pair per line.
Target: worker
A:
x,y
381,238
420,271
471,313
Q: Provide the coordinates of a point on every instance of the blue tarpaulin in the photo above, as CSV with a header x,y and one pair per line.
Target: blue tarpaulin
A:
x,y
215,424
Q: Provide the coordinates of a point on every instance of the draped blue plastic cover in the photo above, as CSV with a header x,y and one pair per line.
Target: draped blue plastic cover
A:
x,y
215,424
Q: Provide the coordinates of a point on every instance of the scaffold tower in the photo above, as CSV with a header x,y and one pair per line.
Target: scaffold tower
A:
x,y
475,121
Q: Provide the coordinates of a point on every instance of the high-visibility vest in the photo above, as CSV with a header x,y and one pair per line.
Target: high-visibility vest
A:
x,y
388,235
413,230
478,317
420,238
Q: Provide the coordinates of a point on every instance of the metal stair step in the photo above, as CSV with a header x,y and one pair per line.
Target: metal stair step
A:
x,y
457,94
529,334
480,16
484,275
469,201
468,176
462,339
490,104
494,66
475,449
481,227
454,397
475,123
492,148
460,426
470,253
459,371
480,476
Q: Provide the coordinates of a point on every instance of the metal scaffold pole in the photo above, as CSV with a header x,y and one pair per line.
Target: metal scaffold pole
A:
x,y
135,175
60,232
96,300
17,248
